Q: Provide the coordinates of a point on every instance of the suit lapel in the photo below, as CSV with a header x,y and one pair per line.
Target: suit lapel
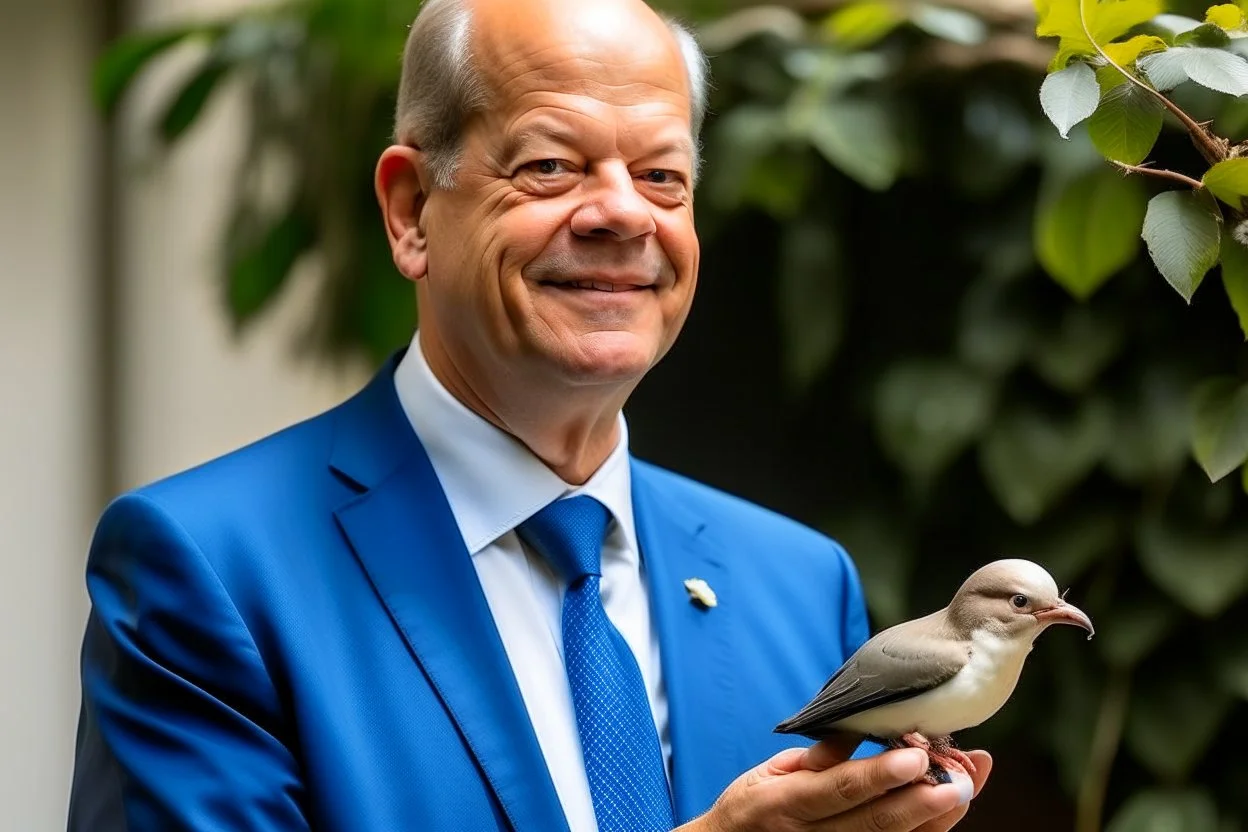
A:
x,y
694,642
404,534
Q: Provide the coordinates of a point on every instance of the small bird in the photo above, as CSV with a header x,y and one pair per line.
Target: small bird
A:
x,y
917,682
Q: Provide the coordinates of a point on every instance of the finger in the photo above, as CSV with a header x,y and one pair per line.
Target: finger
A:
x,y
903,810
983,767
830,751
825,794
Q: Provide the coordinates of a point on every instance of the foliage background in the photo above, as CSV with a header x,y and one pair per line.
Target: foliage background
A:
x,y
875,349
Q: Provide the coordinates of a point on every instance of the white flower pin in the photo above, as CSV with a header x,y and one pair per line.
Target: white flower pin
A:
x,y
700,591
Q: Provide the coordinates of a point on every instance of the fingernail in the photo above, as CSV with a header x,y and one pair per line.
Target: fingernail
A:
x,y
965,786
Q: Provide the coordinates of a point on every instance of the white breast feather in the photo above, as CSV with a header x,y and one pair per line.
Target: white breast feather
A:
x,y
977,692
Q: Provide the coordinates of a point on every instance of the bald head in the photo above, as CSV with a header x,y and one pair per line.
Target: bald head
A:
x,y
461,55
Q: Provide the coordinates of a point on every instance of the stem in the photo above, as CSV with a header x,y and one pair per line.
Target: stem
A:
x,y
1213,149
1106,738
1196,184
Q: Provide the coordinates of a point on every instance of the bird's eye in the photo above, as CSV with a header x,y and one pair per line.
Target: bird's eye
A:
x,y
1019,601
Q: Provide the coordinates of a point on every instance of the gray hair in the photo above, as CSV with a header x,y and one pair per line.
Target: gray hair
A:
x,y
440,87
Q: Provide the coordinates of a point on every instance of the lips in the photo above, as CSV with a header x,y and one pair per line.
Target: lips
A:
x,y
598,285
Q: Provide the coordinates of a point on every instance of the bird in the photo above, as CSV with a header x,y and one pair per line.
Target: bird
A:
x,y
918,682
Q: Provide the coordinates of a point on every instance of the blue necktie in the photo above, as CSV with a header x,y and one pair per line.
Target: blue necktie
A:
x,y
623,758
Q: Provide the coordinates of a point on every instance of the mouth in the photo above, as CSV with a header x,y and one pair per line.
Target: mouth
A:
x,y
1063,613
609,286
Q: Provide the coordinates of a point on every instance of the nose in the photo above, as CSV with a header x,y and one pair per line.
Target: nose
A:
x,y
613,208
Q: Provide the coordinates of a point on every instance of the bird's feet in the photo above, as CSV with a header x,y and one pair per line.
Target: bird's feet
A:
x,y
941,754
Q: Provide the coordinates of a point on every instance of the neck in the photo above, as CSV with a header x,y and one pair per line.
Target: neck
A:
x,y
571,431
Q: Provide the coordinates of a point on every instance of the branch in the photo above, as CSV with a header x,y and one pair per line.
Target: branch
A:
x,y
1213,149
1105,741
1174,176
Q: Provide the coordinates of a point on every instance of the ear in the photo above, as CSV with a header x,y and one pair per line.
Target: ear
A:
x,y
402,193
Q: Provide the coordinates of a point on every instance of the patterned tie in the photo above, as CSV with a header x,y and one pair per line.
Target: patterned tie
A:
x,y
623,758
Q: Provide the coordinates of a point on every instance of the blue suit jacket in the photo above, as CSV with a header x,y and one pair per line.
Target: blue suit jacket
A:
x,y
293,637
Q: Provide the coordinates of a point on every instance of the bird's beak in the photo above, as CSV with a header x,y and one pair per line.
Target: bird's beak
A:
x,y
1064,613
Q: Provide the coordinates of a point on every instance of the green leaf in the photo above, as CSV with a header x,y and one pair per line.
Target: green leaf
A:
x,y
1206,34
260,264
1126,125
859,25
1235,277
1228,181
1205,572
1172,721
1069,96
125,58
811,306
1107,20
1082,345
1031,460
1068,546
1090,230
190,100
1220,429
859,138
1131,630
1183,232
737,145
1156,810
1210,67
1152,427
929,411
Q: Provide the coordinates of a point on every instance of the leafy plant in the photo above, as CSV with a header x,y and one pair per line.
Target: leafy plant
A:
x,y
1115,61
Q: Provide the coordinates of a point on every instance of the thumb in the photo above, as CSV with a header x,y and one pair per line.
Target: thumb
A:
x,y
828,752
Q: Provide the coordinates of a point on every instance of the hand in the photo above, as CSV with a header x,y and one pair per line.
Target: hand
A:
x,y
820,788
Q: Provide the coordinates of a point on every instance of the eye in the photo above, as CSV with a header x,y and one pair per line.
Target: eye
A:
x,y
1019,601
659,177
546,167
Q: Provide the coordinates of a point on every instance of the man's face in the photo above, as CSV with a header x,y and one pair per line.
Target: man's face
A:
x,y
567,246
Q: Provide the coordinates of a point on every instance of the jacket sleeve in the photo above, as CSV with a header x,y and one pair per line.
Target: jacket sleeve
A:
x,y
181,727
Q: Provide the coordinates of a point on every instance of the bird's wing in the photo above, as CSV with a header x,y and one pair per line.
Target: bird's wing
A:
x,y
901,662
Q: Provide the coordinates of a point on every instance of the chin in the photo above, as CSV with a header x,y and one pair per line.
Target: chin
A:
x,y
608,357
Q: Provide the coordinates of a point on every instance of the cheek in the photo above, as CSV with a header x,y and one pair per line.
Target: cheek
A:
x,y
524,231
679,240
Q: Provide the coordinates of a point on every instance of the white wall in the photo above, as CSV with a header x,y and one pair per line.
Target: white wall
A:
x,y
46,461
188,390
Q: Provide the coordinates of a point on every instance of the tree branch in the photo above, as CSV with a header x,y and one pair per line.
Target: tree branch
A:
x,y
1160,173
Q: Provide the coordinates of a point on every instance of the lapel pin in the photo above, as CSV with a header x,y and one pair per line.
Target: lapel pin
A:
x,y
700,591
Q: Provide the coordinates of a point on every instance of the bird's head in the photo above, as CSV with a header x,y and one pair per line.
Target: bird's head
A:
x,y
1014,599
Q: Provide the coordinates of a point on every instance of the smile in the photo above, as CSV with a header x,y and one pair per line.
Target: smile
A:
x,y
594,285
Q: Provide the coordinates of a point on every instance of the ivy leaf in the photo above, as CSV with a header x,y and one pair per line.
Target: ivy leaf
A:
x,y
186,106
811,306
1183,237
928,411
1228,181
1030,460
1226,15
1220,428
1205,572
1106,20
1128,52
1155,810
1090,230
1126,125
1210,67
1069,96
1235,278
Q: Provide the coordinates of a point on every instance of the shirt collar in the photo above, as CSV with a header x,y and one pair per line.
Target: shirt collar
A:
x,y
492,481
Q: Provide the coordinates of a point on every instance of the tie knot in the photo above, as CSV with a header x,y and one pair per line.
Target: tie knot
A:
x,y
569,534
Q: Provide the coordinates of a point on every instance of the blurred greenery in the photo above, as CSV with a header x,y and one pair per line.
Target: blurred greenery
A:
x,y
973,353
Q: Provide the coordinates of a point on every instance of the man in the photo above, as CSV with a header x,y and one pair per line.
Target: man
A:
x,y
456,602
